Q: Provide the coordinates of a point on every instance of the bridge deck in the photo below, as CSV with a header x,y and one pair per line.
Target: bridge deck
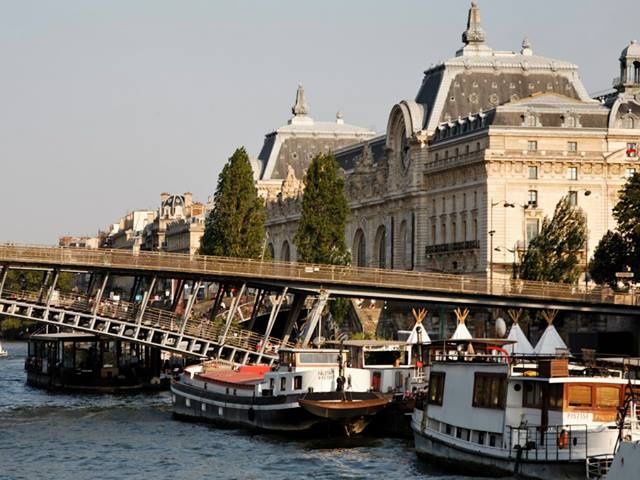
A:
x,y
339,279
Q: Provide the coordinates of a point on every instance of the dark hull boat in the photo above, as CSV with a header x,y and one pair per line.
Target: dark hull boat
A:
x,y
315,392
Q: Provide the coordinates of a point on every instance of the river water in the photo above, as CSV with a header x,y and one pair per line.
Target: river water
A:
x,y
65,437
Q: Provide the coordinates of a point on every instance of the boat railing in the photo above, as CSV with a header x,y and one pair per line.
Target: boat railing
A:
x,y
464,356
598,466
553,443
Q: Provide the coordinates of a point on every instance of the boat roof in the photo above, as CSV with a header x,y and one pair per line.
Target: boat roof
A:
x,y
243,377
309,350
63,336
370,343
496,342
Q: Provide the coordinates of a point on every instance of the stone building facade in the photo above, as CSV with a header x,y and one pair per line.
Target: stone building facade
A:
x,y
177,226
465,173
282,163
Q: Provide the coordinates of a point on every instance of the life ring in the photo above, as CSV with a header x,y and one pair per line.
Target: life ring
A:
x,y
501,350
563,439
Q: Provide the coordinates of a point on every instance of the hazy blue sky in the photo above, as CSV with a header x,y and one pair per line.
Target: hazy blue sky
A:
x,y
105,104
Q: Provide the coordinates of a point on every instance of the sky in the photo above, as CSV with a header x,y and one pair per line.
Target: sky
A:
x,y
104,105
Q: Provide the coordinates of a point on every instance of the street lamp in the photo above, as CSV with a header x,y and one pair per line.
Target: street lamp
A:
x,y
586,247
264,245
491,232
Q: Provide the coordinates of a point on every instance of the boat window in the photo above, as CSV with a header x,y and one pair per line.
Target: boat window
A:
x,y
384,358
319,357
271,383
532,395
297,382
579,395
607,397
556,393
489,390
287,358
436,388
283,383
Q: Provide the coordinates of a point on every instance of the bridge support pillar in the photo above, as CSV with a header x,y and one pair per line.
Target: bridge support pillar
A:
x,y
294,315
275,309
98,299
45,279
177,296
314,316
256,307
134,290
217,301
3,278
143,304
192,300
231,313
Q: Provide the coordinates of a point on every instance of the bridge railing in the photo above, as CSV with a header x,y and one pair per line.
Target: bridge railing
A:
x,y
320,274
154,317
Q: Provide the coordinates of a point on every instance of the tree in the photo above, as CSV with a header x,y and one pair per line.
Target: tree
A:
x,y
627,215
235,226
321,229
610,256
553,255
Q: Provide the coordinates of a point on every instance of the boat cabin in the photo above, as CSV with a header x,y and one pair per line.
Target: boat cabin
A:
x,y
74,360
480,397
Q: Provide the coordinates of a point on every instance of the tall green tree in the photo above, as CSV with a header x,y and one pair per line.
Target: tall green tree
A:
x,y
620,251
321,230
553,255
610,256
235,226
627,215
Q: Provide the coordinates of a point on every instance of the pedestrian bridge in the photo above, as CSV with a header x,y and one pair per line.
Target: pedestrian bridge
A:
x,y
297,287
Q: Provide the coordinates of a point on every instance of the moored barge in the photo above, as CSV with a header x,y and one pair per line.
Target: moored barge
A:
x,y
84,362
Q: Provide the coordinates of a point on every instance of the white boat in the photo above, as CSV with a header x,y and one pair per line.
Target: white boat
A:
x,y
345,386
307,388
538,416
3,352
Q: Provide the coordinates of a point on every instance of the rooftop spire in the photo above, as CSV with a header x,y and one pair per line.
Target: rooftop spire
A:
x,y
474,34
301,107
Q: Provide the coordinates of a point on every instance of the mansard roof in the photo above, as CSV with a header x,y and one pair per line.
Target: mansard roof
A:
x,y
479,78
296,143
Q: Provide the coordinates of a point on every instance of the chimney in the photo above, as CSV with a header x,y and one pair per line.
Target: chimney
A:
x,y
188,199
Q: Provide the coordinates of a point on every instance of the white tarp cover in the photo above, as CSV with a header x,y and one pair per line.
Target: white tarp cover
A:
x,y
522,345
461,333
549,342
413,336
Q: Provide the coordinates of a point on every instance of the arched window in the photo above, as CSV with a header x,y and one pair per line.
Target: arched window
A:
x,y
381,247
285,254
360,249
636,72
402,246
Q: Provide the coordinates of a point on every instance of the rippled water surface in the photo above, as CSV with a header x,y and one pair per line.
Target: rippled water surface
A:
x,y
61,436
